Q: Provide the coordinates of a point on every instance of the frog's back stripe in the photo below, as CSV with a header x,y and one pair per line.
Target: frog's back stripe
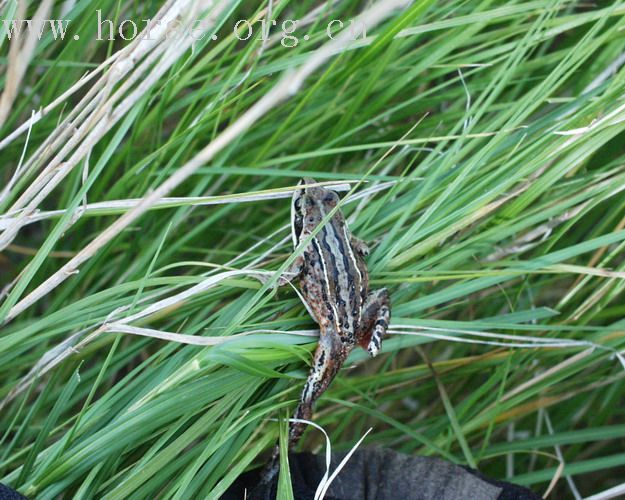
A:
x,y
326,293
343,278
347,290
329,255
356,268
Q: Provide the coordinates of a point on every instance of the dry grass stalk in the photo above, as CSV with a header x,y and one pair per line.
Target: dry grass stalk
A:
x,y
288,86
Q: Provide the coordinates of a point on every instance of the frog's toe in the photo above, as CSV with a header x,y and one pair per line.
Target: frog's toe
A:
x,y
375,343
374,346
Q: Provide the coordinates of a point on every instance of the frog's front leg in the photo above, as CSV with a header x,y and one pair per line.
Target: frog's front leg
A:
x,y
359,245
327,361
376,314
292,272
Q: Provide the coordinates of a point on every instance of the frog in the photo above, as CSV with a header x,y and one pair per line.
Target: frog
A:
x,y
334,285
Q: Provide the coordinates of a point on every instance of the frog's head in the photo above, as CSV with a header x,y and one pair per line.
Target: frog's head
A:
x,y
309,205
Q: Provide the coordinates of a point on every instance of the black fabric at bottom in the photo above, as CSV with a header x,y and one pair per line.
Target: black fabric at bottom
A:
x,y
7,493
381,474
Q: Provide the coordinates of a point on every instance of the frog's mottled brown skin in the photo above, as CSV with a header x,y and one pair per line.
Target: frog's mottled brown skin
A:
x,y
334,283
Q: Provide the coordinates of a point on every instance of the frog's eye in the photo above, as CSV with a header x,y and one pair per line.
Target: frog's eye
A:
x,y
331,198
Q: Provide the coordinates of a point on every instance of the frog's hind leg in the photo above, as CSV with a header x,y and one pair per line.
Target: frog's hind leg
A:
x,y
376,315
327,362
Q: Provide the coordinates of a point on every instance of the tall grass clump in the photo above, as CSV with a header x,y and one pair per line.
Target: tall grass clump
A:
x,y
144,221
